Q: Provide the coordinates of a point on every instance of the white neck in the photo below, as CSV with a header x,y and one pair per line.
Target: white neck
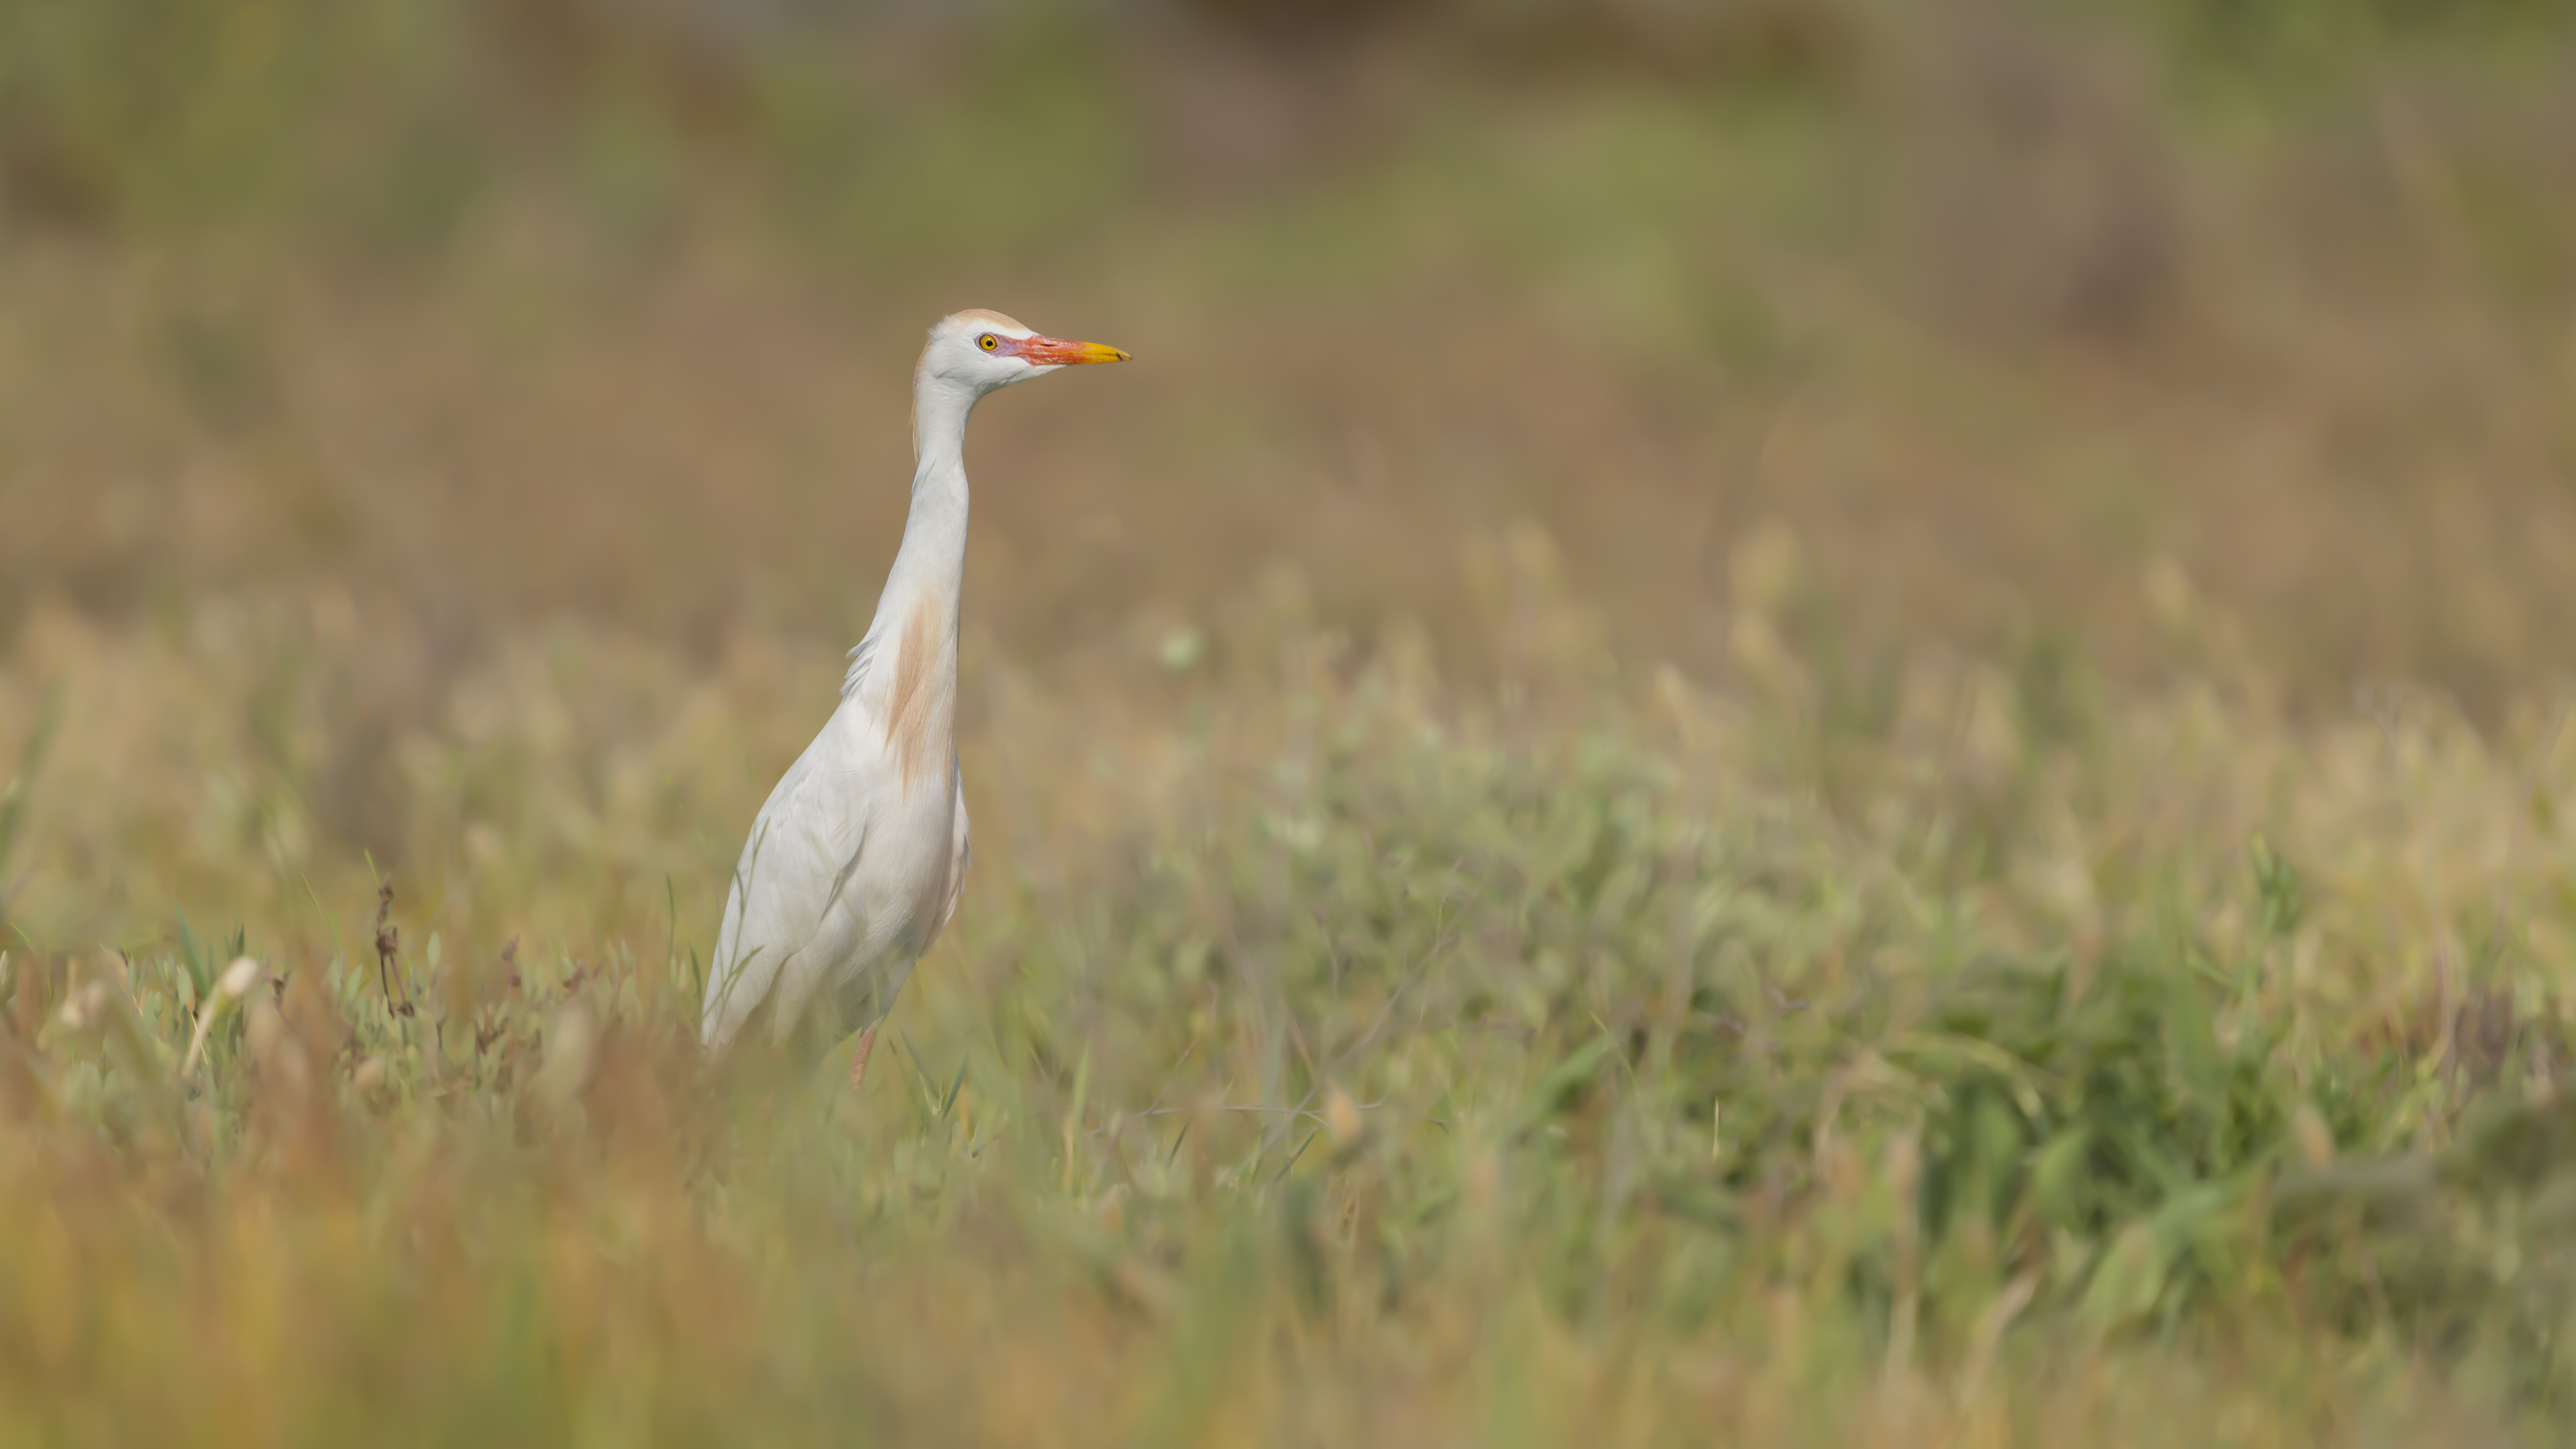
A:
x,y
930,568
934,532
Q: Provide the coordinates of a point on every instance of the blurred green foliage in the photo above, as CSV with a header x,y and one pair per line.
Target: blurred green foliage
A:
x,y
1882,1043
1353,1059
1671,248
390,118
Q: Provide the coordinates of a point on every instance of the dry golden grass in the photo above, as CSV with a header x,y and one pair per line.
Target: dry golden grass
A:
x,y
1862,744
1343,1063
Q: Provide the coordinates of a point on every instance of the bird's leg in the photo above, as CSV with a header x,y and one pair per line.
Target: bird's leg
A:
x,y
859,1058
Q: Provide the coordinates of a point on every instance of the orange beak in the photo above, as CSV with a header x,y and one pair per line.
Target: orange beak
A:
x,y
1056,352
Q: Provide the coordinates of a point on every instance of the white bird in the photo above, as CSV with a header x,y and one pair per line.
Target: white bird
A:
x,y
856,861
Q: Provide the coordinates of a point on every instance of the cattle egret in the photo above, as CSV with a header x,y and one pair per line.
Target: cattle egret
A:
x,y
856,861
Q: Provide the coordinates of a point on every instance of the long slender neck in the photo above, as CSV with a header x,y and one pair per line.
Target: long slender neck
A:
x,y
932,560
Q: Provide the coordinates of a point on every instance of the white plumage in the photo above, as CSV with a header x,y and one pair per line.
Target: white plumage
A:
x,y
856,861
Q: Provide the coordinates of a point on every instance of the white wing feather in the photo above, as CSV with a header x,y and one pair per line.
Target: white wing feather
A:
x,y
793,915
820,901
962,855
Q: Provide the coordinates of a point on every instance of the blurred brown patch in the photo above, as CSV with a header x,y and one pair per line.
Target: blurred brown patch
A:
x,y
1972,301
2473,1039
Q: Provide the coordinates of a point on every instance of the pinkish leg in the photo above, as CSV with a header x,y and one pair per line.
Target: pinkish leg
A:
x,y
859,1058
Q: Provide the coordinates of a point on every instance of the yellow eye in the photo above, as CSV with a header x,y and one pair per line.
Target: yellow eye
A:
x,y
988,342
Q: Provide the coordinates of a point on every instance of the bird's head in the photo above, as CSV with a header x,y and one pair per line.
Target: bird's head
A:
x,y
981,351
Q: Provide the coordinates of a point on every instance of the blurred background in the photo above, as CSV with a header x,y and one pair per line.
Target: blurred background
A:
x,y
2064,328
1802,582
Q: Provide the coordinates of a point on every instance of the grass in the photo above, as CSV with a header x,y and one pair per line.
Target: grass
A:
x,y
1711,748
1366,1060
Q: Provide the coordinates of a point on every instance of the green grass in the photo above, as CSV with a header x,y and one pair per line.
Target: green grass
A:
x,y
2111,1030
1360,1063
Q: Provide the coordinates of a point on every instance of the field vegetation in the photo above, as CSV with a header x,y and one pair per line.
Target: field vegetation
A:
x,y
1794,722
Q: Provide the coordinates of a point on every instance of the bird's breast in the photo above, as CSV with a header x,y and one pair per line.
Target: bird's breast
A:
x,y
921,702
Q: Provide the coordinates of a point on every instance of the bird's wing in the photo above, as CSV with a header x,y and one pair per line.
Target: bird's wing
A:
x,y
862,654
792,881
962,851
